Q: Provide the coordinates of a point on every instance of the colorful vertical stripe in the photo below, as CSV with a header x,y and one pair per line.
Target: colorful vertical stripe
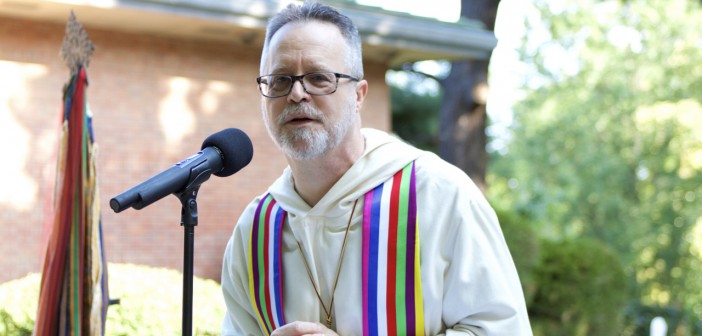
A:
x,y
73,295
391,278
265,264
392,286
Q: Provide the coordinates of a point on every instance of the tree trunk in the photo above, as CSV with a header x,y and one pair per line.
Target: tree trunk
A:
x,y
463,118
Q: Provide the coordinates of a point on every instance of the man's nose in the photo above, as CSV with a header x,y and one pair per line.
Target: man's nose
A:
x,y
298,93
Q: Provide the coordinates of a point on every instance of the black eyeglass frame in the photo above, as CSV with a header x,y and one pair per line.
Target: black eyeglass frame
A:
x,y
295,78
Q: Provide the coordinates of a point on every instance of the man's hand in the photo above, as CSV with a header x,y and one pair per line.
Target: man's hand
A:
x,y
299,328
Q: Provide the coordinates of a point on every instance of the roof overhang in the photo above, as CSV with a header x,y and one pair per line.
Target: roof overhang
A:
x,y
390,37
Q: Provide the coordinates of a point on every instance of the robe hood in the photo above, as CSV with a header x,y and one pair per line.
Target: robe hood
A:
x,y
383,156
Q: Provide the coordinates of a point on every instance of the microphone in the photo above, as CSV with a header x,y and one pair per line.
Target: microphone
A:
x,y
222,154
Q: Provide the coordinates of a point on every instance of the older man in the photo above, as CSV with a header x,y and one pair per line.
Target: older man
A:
x,y
362,234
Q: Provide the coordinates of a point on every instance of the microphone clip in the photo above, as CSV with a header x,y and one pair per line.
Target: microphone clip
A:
x,y
188,202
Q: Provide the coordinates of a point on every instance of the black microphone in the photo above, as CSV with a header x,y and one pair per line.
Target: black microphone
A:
x,y
223,153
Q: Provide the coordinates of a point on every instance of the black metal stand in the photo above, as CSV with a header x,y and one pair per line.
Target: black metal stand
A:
x,y
188,219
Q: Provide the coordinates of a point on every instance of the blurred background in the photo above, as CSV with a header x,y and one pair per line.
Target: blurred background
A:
x,y
579,120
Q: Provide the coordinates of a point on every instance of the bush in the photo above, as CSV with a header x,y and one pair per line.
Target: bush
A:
x,y
18,305
679,321
523,243
150,303
581,290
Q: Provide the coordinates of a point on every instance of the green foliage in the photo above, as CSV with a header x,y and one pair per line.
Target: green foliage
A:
x,y
18,305
639,320
581,290
608,146
150,303
524,245
415,115
8,326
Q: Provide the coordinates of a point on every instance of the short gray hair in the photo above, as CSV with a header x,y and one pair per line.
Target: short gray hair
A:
x,y
310,11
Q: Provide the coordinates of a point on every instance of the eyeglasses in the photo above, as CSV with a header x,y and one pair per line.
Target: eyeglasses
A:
x,y
314,83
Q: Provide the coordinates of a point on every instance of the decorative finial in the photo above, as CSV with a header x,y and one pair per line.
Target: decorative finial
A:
x,y
76,48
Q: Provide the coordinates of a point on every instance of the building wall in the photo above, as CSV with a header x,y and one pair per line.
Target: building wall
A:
x,y
154,100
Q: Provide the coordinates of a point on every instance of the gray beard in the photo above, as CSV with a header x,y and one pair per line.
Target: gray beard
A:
x,y
305,143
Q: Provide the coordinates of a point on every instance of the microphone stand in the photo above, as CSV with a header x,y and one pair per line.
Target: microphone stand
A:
x,y
188,220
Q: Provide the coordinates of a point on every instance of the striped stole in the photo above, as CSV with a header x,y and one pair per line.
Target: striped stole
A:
x,y
392,286
392,289
265,264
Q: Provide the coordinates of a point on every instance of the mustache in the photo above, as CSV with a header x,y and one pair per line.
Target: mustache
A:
x,y
300,109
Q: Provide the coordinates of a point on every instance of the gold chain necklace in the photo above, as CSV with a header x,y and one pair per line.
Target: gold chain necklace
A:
x,y
328,312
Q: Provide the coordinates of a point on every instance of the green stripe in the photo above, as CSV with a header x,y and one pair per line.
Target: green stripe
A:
x,y
76,264
261,264
401,280
82,211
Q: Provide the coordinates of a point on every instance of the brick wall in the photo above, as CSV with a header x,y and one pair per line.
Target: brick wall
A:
x,y
154,100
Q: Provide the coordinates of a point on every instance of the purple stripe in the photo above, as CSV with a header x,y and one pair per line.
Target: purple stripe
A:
x,y
103,280
278,265
367,202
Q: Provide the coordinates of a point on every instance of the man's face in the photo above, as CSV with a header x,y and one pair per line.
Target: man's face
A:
x,y
307,126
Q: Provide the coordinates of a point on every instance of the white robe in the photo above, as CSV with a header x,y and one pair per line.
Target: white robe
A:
x,y
469,282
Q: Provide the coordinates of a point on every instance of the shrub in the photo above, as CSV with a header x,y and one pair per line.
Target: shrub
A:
x,y
523,243
581,290
18,305
150,303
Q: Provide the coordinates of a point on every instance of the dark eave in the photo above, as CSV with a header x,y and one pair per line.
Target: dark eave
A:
x,y
390,37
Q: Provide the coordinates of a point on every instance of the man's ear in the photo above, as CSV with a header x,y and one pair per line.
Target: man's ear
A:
x,y
361,91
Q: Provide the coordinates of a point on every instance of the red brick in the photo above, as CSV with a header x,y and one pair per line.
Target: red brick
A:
x,y
128,81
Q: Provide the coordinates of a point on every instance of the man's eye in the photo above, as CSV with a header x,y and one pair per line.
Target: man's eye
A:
x,y
278,81
319,78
